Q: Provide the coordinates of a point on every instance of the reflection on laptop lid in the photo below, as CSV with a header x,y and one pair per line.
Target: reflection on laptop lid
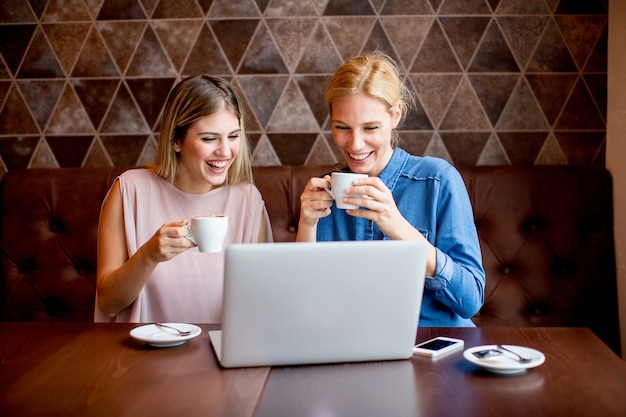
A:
x,y
327,302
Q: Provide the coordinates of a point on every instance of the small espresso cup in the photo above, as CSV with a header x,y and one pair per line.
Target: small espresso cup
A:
x,y
208,232
339,181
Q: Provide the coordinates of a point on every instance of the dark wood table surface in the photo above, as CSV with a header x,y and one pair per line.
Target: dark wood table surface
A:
x,y
86,369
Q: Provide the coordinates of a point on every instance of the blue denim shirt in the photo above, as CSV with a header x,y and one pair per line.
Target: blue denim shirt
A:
x,y
431,195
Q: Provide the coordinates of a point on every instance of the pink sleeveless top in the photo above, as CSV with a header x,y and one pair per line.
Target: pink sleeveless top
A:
x,y
187,288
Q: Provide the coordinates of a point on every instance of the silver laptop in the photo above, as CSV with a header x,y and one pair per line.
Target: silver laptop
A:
x,y
311,303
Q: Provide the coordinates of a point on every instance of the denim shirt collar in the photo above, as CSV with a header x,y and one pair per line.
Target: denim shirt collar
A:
x,y
394,168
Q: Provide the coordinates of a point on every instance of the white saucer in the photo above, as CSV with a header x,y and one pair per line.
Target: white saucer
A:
x,y
506,363
162,336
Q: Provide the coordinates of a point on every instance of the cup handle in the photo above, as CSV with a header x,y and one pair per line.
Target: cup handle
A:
x,y
189,235
329,191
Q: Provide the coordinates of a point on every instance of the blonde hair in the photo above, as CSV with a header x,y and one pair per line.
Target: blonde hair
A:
x,y
190,100
375,75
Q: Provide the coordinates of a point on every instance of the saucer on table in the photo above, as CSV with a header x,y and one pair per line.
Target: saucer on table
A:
x,y
164,337
505,362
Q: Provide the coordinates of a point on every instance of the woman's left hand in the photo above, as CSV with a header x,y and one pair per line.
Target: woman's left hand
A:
x,y
382,209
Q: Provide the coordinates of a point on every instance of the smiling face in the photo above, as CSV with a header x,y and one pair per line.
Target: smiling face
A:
x,y
361,128
207,151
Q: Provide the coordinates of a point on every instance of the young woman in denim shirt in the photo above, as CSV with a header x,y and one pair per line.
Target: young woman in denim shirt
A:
x,y
404,197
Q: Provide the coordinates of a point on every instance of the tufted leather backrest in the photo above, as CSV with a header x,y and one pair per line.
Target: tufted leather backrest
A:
x,y
546,235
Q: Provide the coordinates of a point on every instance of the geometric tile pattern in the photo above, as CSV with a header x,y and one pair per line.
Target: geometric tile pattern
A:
x,y
499,82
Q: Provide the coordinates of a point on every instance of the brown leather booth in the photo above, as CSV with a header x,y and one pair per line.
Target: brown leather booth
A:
x,y
546,234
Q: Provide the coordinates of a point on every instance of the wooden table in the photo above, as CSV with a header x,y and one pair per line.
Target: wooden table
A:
x,y
86,369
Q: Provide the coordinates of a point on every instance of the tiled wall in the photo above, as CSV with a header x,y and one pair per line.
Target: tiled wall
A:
x,y
82,82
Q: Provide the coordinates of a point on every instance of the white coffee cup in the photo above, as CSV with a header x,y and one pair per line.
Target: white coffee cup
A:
x,y
339,181
208,232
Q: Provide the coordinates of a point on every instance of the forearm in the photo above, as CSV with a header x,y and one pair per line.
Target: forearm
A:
x,y
119,288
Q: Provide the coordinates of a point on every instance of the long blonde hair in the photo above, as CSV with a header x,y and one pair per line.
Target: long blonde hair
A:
x,y
377,76
190,100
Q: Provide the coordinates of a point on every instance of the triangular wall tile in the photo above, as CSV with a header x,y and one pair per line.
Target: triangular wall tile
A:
x,y
60,11
551,91
4,89
599,56
581,34
176,10
263,56
121,10
522,34
320,154
347,8
39,60
580,102
597,84
150,95
465,111
531,118
15,118
577,146
264,153
493,54
124,150
292,113
177,38
16,11
67,41
43,157
349,33
437,148
284,8
407,42
416,119
320,57
493,153
14,39
522,7
551,54
292,36
41,97
229,8
122,39
435,92
95,96
150,58
206,46
292,149
123,116
493,91
465,147
415,143
551,153
378,41
435,54
522,148
69,151
69,116
251,121
148,154
263,94
464,34
17,151
94,59
456,7
313,90
234,37
406,7
97,156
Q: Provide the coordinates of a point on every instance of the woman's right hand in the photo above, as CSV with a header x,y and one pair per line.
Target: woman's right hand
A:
x,y
168,241
315,203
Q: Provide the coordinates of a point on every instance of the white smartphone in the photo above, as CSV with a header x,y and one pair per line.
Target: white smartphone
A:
x,y
438,346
